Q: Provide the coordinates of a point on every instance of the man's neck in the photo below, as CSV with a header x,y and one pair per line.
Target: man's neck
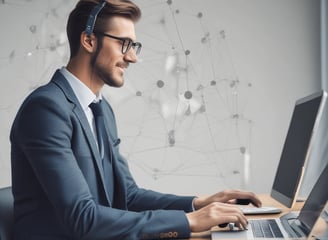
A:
x,y
82,71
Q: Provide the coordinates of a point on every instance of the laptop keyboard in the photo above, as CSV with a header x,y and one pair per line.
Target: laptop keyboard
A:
x,y
265,228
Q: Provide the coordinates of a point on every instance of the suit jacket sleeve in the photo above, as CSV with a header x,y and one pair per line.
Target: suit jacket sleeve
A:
x,y
42,132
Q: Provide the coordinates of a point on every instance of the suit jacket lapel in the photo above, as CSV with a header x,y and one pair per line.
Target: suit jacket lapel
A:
x,y
120,185
63,84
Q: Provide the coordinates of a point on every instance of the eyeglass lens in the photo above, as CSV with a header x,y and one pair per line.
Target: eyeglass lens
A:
x,y
127,44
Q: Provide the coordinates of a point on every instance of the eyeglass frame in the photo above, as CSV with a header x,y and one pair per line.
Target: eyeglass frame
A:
x,y
135,45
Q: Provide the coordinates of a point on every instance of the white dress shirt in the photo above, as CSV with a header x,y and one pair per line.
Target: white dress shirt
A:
x,y
84,95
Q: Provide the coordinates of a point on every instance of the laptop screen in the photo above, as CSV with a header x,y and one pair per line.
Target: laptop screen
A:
x,y
296,148
315,202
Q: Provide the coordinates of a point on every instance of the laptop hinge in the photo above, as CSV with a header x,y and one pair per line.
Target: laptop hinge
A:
x,y
289,222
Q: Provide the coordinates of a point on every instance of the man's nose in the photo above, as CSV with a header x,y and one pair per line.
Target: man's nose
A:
x,y
131,56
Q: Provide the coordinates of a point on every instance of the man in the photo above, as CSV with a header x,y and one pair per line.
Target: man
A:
x,y
69,180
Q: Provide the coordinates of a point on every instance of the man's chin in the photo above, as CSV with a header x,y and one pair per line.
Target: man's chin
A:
x,y
116,84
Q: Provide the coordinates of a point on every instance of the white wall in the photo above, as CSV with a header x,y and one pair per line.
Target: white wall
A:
x,y
323,43
262,55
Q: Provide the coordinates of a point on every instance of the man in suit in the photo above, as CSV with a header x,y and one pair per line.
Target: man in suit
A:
x,y
69,180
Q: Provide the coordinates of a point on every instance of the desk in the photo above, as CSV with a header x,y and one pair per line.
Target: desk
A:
x,y
319,227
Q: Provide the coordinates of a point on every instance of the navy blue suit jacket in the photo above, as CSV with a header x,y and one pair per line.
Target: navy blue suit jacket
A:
x,y
58,185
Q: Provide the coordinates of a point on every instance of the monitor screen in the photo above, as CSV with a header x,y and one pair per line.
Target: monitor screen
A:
x,y
315,203
296,148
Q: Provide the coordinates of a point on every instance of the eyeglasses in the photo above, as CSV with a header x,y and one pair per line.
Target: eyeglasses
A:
x,y
127,43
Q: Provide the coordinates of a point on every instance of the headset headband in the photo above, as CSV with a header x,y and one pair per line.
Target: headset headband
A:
x,y
93,16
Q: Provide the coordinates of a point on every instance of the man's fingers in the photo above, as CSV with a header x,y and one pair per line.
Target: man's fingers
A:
x,y
232,214
243,198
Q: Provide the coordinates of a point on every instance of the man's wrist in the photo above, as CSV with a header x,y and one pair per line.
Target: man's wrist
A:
x,y
197,203
193,204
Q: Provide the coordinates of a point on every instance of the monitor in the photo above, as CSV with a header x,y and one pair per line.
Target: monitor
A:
x,y
297,147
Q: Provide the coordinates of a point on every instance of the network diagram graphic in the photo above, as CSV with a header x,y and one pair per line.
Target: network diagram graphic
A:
x,y
183,114
181,111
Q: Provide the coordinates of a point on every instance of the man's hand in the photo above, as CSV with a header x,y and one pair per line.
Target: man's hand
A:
x,y
219,209
214,214
228,196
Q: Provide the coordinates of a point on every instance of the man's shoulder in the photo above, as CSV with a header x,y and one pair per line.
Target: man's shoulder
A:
x,y
51,94
56,89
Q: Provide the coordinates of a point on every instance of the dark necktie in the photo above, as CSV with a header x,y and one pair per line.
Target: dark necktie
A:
x,y
104,147
100,125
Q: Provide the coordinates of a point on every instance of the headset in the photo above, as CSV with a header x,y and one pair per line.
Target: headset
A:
x,y
93,17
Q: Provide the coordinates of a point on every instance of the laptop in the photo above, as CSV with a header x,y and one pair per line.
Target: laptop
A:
x,y
290,225
298,145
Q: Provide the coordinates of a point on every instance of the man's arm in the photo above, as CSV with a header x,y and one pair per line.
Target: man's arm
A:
x,y
43,131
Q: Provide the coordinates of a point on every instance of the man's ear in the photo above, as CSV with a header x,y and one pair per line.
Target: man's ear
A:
x,y
88,42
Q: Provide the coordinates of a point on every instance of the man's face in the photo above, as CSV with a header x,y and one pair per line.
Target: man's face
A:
x,y
111,62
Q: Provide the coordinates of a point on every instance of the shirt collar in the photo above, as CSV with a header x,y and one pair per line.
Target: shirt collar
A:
x,y
82,92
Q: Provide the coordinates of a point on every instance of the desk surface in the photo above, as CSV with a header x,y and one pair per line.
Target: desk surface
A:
x,y
321,226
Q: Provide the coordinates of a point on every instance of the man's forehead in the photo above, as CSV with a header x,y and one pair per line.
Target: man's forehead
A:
x,y
122,26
